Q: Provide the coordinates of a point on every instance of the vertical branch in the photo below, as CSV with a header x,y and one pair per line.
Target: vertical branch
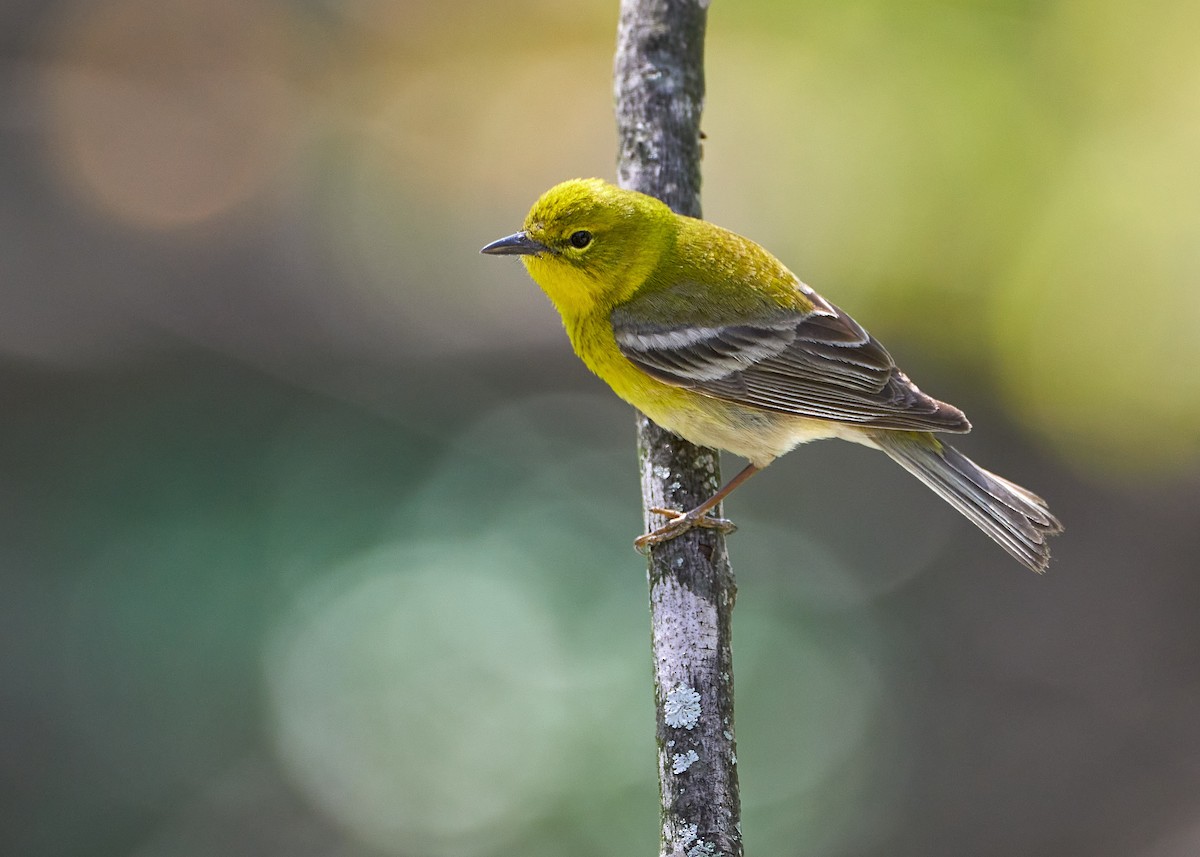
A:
x,y
659,87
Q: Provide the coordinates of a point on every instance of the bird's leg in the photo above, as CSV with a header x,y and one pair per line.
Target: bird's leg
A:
x,y
679,522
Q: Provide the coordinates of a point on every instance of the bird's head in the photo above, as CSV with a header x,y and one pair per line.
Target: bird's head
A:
x,y
590,244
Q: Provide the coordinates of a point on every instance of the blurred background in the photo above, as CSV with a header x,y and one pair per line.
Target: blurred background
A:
x,y
316,536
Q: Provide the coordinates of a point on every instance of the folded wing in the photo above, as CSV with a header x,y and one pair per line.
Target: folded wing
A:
x,y
817,363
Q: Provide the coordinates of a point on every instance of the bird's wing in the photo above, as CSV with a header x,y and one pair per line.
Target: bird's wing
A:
x,y
817,362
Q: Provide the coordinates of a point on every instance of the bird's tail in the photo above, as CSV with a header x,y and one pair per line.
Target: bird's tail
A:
x,y
1018,520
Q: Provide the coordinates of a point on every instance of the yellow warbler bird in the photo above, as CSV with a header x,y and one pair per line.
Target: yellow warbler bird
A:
x,y
711,337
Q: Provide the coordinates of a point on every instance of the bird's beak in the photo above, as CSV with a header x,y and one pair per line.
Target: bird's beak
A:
x,y
519,244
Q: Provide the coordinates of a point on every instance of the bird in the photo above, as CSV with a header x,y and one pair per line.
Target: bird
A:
x,y
714,339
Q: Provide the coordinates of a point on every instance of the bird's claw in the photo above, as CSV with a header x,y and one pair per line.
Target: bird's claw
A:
x,y
677,524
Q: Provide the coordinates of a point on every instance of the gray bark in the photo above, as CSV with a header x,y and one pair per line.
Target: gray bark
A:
x,y
659,83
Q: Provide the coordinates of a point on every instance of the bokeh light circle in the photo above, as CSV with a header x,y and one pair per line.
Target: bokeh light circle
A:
x,y
418,700
167,113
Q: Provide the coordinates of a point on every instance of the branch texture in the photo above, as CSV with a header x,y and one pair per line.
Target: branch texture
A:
x,y
659,88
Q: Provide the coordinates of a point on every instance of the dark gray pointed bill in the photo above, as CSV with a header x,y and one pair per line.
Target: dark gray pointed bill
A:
x,y
518,244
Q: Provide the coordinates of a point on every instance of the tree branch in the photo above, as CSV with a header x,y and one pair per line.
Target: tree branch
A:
x,y
659,88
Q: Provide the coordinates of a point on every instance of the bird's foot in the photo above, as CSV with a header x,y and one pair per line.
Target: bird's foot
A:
x,y
679,523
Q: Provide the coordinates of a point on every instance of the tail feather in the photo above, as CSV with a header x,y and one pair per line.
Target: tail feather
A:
x,y
1016,519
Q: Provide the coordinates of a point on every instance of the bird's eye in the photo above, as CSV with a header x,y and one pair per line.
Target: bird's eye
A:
x,y
580,239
